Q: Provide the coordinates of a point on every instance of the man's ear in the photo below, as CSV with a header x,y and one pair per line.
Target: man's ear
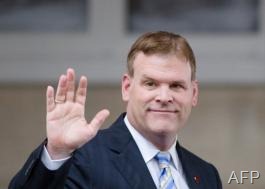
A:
x,y
195,92
125,87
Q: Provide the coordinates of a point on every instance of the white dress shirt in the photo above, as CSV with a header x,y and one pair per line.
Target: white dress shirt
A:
x,y
148,151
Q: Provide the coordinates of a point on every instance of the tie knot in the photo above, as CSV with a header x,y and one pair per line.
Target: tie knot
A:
x,y
163,159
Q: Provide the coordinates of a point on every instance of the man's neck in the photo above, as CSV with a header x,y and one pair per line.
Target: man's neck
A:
x,y
163,142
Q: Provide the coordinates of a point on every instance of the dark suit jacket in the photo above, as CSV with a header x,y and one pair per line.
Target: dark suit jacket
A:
x,y
111,160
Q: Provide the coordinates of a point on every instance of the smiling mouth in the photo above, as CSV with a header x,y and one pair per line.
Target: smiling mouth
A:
x,y
162,111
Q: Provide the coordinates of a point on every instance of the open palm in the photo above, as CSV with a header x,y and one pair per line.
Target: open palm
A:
x,y
67,128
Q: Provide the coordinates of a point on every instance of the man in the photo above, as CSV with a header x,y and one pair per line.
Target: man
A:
x,y
140,150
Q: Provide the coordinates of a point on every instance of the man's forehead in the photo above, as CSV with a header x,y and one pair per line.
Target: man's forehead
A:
x,y
170,76
160,59
169,61
158,78
175,54
166,68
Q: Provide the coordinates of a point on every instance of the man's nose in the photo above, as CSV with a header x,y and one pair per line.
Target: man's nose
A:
x,y
164,95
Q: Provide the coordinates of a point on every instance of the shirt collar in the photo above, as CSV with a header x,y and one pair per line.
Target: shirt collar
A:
x,y
147,149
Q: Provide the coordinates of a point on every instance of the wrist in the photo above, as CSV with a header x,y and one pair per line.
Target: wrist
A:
x,y
56,153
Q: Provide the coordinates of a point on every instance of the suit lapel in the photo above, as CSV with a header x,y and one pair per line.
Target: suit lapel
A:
x,y
192,173
127,158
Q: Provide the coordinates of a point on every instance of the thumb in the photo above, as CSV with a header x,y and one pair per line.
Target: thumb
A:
x,y
99,119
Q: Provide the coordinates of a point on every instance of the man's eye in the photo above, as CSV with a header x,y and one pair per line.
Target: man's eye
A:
x,y
149,84
177,86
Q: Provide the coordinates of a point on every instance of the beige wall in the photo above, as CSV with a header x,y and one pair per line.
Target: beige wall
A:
x,y
227,128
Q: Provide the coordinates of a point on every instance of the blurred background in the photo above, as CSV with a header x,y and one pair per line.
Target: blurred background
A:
x,y
40,39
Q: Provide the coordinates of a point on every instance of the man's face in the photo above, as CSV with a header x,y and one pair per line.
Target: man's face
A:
x,y
160,95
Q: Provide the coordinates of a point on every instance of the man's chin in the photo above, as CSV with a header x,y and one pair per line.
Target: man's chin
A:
x,y
164,128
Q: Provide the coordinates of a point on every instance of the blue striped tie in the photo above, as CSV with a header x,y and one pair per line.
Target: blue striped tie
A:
x,y
165,179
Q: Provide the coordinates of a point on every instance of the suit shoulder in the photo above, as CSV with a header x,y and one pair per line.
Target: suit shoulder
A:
x,y
196,164
193,158
98,144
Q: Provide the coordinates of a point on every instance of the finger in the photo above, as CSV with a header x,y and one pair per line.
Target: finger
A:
x,y
81,91
61,90
99,119
70,84
50,99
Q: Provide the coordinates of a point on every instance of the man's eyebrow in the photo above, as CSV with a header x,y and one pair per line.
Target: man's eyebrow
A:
x,y
147,77
179,82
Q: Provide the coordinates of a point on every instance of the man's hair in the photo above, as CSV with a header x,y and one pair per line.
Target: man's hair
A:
x,y
163,43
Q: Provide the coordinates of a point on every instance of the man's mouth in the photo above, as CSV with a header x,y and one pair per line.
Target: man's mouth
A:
x,y
161,110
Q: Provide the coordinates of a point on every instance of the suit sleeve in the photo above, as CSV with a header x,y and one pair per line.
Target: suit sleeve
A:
x,y
218,179
35,175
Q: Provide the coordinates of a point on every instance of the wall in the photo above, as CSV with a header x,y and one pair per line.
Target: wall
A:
x,y
41,56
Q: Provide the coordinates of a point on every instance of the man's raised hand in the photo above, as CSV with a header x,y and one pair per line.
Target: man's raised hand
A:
x,y
67,128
